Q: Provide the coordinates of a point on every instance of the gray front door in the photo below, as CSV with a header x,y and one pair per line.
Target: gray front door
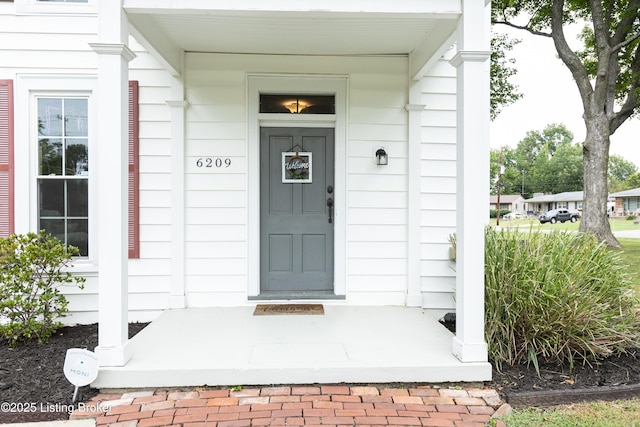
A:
x,y
296,218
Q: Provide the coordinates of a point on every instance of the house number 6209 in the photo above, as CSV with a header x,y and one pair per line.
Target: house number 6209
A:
x,y
209,162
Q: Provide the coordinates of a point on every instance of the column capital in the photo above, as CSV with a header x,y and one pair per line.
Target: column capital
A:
x,y
113,49
469,56
414,107
179,104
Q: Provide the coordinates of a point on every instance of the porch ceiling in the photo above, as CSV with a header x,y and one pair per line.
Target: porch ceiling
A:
x,y
169,31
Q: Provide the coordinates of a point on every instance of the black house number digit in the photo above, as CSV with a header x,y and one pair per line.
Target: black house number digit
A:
x,y
213,162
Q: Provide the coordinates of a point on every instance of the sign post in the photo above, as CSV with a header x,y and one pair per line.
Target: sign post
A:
x,y
80,368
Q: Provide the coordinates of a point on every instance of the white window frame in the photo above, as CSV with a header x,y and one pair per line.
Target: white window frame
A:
x,y
28,89
55,7
63,177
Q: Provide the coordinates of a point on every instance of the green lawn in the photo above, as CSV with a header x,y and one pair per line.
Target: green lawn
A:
x,y
631,256
625,413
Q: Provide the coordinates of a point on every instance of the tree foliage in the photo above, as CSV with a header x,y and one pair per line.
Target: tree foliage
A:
x,y
607,74
548,161
633,181
503,91
620,170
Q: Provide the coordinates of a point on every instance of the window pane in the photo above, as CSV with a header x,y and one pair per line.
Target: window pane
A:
x,y
318,105
55,221
78,235
50,156
77,198
51,197
49,117
76,157
63,151
299,104
75,114
55,227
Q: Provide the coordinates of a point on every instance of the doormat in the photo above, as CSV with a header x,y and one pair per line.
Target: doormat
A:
x,y
280,309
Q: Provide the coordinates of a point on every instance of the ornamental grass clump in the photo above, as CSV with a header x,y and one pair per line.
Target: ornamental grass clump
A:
x,y
556,297
33,267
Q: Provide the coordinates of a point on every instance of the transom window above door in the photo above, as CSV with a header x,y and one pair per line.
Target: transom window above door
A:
x,y
297,104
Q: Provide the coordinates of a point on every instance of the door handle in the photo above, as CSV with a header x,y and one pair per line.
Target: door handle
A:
x,y
330,206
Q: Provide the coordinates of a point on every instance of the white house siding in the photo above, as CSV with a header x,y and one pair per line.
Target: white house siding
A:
x,y
149,275
49,47
44,45
216,198
377,195
438,187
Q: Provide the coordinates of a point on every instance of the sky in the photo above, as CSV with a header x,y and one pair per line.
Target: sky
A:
x,y
550,96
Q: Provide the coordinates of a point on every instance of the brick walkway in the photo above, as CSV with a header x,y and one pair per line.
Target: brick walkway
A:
x,y
323,406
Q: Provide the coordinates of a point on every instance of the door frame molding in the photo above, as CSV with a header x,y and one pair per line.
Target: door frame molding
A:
x,y
303,84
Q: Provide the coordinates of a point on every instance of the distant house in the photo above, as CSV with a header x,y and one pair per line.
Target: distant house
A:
x,y
542,203
627,202
572,200
508,203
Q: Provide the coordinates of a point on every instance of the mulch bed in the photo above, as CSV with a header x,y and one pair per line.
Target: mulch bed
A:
x,y
616,377
31,377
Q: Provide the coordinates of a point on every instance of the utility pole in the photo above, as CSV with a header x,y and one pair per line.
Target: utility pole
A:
x,y
500,172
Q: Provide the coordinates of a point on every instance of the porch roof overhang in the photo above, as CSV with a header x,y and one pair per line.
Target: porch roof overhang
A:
x,y
420,30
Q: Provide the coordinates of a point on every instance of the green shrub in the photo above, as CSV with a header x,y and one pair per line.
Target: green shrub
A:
x,y
32,268
631,217
556,297
493,212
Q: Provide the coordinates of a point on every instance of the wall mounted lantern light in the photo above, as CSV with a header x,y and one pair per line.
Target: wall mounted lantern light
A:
x,y
382,158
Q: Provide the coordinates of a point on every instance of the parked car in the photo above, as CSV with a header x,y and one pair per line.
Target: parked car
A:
x,y
562,215
513,215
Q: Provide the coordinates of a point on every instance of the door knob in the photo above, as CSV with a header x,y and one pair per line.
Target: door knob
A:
x,y
330,206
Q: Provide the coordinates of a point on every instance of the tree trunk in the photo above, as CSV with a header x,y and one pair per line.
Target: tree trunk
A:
x,y
595,219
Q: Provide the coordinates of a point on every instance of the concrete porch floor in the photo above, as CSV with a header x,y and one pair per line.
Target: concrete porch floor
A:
x,y
348,344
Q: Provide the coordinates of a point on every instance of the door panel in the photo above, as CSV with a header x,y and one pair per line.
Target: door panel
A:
x,y
282,245
313,252
296,237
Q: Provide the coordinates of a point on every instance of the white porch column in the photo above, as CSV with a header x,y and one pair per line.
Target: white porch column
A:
x,y
472,188
177,297
415,109
112,157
